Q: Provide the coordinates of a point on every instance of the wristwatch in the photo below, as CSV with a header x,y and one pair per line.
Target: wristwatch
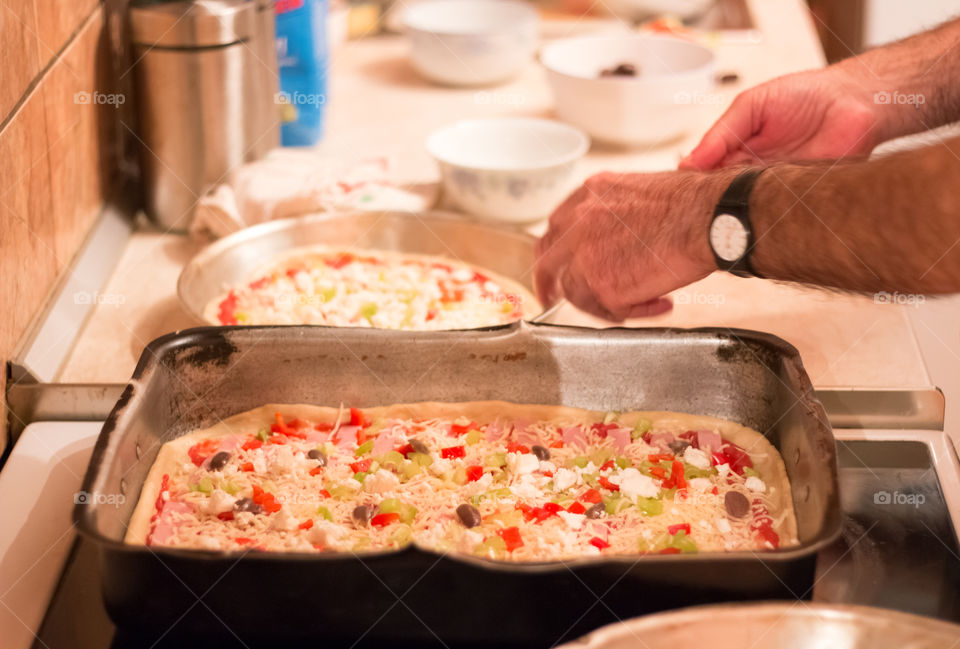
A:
x,y
731,234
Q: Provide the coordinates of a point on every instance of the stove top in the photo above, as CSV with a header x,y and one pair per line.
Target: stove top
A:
x,y
898,549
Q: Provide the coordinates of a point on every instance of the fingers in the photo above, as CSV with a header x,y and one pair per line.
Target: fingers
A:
x,y
724,138
578,292
553,249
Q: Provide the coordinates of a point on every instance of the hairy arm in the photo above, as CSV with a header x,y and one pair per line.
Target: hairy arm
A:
x,y
915,82
891,224
623,241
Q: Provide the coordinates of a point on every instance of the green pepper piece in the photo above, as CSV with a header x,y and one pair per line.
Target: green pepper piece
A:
x,y
328,294
683,543
642,426
750,472
623,462
390,505
369,310
423,459
649,506
323,511
360,476
364,448
473,437
392,459
204,486
496,460
263,434
611,417
401,535
580,461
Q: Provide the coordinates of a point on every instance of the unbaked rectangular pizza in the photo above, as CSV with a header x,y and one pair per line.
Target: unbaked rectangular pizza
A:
x,y
492,479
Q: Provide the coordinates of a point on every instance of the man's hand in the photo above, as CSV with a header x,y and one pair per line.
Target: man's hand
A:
x,y
621,242
809,115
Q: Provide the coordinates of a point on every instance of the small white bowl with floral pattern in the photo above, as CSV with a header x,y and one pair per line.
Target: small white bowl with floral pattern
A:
x,y
512,169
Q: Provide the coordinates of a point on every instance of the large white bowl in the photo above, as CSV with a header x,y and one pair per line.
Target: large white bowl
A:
x,y
675,77
471,42
510,169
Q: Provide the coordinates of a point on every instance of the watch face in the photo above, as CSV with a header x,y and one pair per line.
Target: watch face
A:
x,y
728,237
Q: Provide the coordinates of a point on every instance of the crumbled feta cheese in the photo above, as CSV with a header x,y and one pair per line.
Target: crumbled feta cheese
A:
x,y
723,525
633,484
440,466
208,542
563,479
615,478
755,484
700,484
481,485
284,520
259,463
525,487
573,521
219,501
282,460
548,466
469,540
522,463
381,481
723,470
696,457
646,533
325,533
352,483
591,549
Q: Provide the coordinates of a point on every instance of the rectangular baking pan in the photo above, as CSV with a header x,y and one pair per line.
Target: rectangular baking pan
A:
x,y
191,379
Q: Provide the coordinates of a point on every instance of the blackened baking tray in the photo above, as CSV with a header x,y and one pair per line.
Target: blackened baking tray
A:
x,y
191,379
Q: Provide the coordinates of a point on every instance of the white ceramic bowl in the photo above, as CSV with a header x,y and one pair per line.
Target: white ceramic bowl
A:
x,y
675,77
471,42
511,169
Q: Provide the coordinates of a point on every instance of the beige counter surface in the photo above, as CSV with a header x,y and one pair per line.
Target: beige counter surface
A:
x,y
380,107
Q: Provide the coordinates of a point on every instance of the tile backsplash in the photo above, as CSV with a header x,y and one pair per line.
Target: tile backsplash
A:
x,y
59,126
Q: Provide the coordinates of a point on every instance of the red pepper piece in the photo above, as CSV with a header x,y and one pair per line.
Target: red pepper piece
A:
x,y
325,493
514,447
246,466
323,427
766,533
243,540
474,473
660,457
225,516
599,543
316,470
658,472
202,450
339,261
552,508
606,484
557,444
252,444
362,466
266,500
227,308
381,520
457,429
606,465
591,496
511,536
673,529
356,418
405,450
677,478
306,525
576,508
452,452
670,551
739,459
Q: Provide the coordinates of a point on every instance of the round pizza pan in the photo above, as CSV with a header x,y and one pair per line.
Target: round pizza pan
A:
x,y
230,260
793,625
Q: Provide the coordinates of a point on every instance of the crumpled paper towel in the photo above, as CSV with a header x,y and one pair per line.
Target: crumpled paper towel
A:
x,y
291,183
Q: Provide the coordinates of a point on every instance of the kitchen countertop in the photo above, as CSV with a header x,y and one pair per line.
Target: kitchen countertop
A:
x,y
844,340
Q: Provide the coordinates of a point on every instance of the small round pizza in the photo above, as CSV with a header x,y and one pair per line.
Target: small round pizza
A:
x,y
370,288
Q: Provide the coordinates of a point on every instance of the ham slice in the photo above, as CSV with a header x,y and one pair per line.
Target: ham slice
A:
x,y
620,437
385,442
574,436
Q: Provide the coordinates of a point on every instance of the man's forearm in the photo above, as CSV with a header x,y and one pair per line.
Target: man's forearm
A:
x,y
914,82
891,224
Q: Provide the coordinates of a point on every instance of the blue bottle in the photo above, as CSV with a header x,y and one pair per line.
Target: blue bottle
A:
x,y
302,62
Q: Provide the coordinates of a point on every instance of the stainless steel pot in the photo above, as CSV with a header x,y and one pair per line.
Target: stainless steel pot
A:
x,y
201,95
